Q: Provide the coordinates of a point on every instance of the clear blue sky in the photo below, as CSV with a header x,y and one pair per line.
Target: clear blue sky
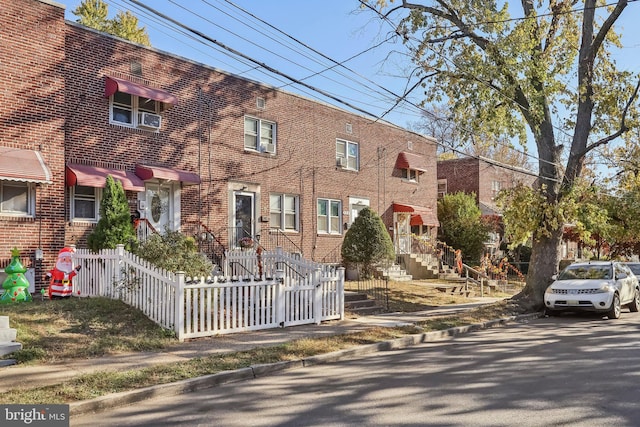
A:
x,y
336,28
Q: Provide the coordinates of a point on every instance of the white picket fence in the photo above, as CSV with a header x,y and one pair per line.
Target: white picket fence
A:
x,y
289,291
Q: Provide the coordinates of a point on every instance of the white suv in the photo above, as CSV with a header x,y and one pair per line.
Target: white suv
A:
x,y
599,286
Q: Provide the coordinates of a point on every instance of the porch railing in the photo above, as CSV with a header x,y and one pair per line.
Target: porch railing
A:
x,y
273,237
143,229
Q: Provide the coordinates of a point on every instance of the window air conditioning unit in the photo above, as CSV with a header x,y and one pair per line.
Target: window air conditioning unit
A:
x,y
150,121
268,148
342,162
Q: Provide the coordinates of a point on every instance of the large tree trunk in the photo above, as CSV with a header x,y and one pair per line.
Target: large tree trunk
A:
x,y
545,257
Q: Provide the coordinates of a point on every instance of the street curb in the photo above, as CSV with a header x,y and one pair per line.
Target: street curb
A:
x,y
259,370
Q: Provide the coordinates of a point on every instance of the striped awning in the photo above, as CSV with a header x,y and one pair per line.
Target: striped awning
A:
x,y
93,176
113,85
411,161
420,215
146,172
23,165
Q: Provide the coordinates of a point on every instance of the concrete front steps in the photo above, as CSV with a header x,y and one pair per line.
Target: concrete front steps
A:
x,y
359,303
7,340
396,273
421,266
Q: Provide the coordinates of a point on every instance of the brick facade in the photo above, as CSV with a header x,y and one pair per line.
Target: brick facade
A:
x,y
57,103
485,180
32,117
473,175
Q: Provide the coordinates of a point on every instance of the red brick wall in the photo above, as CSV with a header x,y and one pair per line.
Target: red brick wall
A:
x,y
477,176
461,175
32,109
306,137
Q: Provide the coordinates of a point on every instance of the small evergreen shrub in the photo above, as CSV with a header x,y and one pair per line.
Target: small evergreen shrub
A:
x,y
115,226
367,242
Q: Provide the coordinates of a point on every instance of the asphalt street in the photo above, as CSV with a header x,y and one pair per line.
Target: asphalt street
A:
x,y
565,371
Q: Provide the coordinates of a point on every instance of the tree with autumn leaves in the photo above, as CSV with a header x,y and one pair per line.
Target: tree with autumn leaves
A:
x,y
94,14
540,70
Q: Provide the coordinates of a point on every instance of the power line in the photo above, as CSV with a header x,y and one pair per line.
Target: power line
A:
x,y
261,64
341,64
451,61
273,70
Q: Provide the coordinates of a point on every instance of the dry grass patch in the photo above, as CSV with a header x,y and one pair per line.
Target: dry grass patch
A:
x,y
81,328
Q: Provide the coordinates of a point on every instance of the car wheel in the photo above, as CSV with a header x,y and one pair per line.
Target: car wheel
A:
x,y
614,312
549,313
634,306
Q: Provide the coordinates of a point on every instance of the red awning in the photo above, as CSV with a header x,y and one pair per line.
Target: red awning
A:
x,y
113,85
158,172
93,176
23,165
411,161
420,215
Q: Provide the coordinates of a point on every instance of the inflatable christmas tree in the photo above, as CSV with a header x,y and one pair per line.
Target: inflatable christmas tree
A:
x,y
16,285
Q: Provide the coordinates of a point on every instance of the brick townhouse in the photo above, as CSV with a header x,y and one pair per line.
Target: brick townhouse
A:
x,y
486,179
197,149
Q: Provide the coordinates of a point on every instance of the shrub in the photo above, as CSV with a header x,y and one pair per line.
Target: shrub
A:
x,y
115,226
461,225
174,251
367,241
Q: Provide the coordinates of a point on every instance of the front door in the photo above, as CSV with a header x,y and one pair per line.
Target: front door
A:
x,y
402,232
244,215
159,206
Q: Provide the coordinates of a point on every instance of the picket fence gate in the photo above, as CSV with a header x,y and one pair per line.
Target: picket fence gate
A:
x,y
289,291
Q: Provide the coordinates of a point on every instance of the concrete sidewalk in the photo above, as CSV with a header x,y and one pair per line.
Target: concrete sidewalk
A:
x,y
18,376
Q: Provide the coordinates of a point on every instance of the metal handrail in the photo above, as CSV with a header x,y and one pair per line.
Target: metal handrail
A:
x,y
277,238
290,269
232,264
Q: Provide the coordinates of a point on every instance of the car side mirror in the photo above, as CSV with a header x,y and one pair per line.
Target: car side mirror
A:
x,y
554,277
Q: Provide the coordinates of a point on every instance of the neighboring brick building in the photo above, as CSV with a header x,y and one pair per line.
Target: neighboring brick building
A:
x,y
474,175
197,149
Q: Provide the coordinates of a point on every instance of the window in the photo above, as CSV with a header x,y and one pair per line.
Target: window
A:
x,y
17,198
329,216
259,135
347,154
442,188
496,186
410,175
85,203
134,111
283,209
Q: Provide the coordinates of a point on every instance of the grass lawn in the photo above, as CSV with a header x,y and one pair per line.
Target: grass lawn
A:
x,y
58,330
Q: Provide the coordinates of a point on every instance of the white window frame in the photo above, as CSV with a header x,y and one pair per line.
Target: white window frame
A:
x,y
97,196
136,107
31,198
496,186
442,188
281,212
410,175
262,139
328,217
345,150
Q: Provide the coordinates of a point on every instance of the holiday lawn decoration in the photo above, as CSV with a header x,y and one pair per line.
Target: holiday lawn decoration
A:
x,y
16,285
61,285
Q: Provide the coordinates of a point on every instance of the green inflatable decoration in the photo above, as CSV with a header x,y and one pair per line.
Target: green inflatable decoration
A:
x,y
16,285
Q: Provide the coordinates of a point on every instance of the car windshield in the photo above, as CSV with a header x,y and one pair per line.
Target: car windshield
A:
x,y
602,272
